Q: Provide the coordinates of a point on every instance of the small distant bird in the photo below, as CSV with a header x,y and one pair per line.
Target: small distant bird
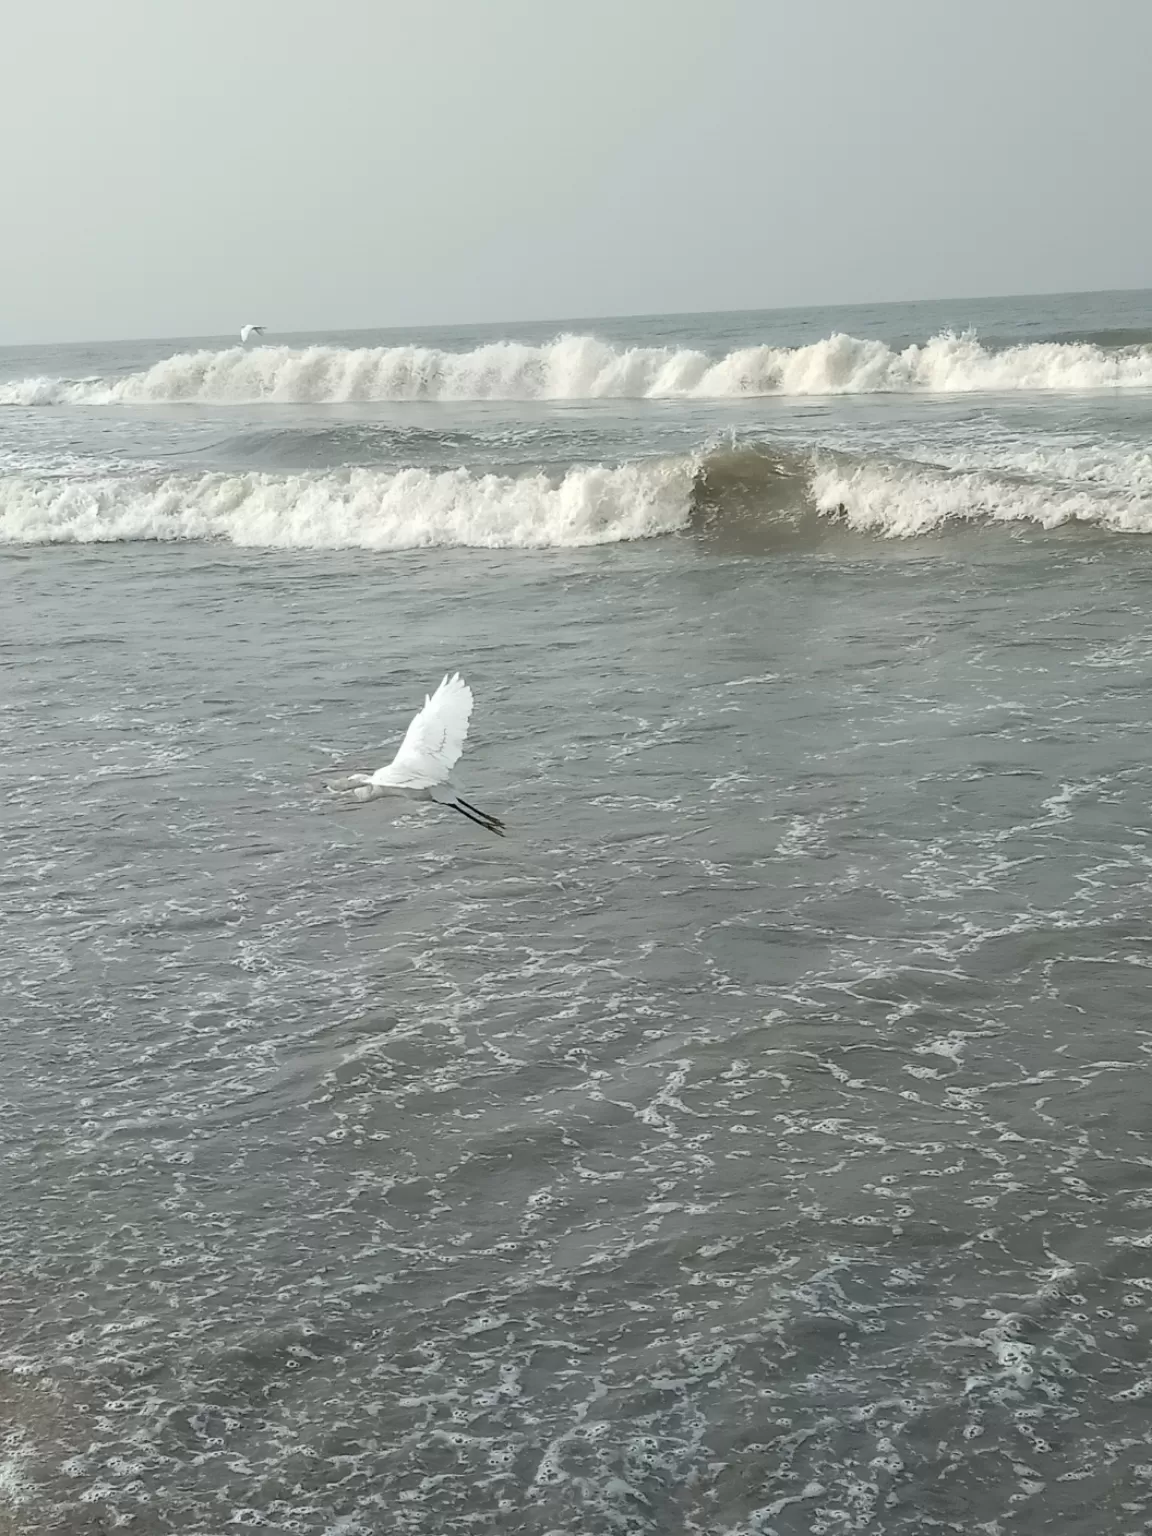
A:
x,y
250,330
422,768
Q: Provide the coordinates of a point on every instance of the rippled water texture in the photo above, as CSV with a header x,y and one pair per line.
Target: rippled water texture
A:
x,y
755,1141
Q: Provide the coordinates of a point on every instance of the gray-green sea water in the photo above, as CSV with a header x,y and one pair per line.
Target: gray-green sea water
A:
x,y
756,1141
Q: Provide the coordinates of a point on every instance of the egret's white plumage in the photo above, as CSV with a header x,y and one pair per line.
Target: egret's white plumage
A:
x,y
434,741
250,330
422,768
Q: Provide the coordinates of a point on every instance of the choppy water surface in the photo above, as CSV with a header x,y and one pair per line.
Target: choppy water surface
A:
x,y
756,1141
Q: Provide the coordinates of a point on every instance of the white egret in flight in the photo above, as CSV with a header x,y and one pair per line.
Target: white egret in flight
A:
x,y
422,768
250,330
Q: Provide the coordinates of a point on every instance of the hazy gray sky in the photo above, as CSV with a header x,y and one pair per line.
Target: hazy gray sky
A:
x,y
176,167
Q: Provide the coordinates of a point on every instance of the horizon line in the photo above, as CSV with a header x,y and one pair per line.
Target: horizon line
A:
x,y
655,314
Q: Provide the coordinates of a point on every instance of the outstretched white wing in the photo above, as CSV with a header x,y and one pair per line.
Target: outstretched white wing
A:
x,y
250,330
434,740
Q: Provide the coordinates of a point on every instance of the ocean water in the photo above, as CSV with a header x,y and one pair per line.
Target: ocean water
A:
x,y
756,1142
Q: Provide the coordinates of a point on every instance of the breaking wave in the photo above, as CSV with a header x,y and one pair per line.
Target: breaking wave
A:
x,y
770,499
355,509
751,497
903,501
583,367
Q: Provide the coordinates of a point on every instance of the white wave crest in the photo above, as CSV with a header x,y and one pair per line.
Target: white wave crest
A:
x,y
1107,464
357,509
583,367
901,501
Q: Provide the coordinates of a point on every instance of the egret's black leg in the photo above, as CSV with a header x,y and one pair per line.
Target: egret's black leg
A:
x,y
480,820
487,815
